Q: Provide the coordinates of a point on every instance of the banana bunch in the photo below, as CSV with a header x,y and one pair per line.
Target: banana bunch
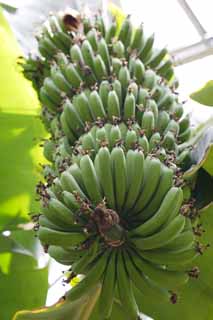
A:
x,y
92,45
113,207
106,220
106,79
125,63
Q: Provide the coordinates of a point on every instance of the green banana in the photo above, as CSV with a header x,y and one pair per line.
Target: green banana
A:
x,y
96,105
184,136
138,39
129,107
104,90
184,124
88,53
169,280
69,184
146,51
58,213
70,201
165,184
162,70
118,49
61,62
66,128
173,127
124,78
135,174
143,143
183,242
125,288
152,169
163,121
59,80
49,150
119,172
47,101
143,96
45,222
72,76
72,117
154,141
90,179
106,177
100,68
166,101
52,91
65,256
76,54
48,45
100,25
177,111
92,37
139,71
152,106
157,58
88,142
83,108
164,236
169,141
149,79
113,106
101,136
116,66
80,266
115,136
171,259
110,33
116,86
108,287
125,34
60,238
148,123
141,282
90,280
75,171
104,53
131,139
170,206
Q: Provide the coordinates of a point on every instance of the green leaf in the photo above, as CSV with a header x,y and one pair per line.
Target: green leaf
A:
x,y
8,8
23,286
77,310
9,245
202,154
21,131
205,262
205,94
203,189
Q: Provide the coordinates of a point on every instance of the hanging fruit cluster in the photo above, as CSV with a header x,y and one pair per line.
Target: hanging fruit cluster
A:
x,y
113,206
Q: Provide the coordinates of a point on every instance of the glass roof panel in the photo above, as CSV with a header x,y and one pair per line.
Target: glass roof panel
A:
x,y
203,10
166,19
